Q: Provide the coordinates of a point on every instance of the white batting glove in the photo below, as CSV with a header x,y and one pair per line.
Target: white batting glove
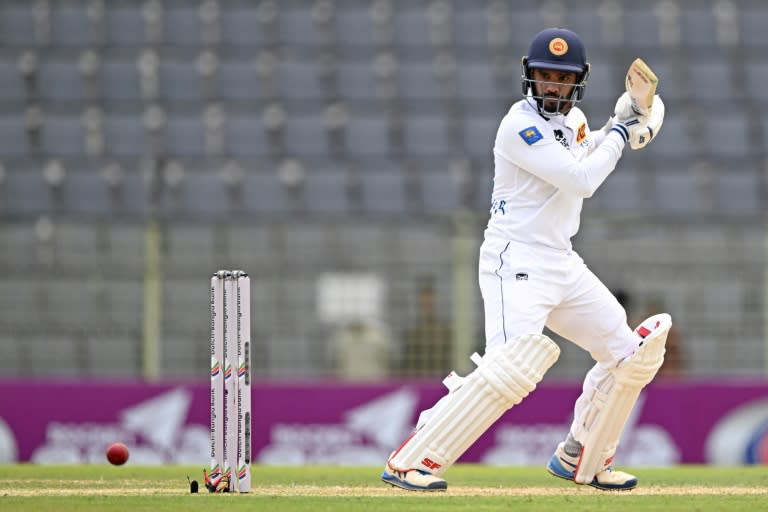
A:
x,y
638,130
623,110
642,133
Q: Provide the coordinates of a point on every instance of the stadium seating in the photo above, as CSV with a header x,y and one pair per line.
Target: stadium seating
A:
x,y
292,137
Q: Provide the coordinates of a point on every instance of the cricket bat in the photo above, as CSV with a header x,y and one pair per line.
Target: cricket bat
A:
x,y
641,85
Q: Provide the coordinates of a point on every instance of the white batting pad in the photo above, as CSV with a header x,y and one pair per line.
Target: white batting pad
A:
x,y
615,397
504,376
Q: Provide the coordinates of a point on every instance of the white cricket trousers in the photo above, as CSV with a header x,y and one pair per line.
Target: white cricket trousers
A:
x,y
526,287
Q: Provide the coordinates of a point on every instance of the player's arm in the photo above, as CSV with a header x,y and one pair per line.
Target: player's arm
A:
x,y
554,164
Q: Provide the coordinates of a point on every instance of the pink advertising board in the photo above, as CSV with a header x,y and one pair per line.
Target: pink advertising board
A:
x,y
336,423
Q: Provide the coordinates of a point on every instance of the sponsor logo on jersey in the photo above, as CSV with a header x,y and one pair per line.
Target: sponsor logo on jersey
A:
x,y
560,137
531,135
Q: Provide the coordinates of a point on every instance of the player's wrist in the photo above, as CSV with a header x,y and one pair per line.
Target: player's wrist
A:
x,y
621,129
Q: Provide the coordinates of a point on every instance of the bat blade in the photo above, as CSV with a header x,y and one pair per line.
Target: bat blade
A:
x,y
641,83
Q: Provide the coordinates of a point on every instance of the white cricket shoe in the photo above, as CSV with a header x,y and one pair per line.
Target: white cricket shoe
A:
x,y
563,466
413,480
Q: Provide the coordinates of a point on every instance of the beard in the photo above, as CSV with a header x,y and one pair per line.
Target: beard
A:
x,y
551,104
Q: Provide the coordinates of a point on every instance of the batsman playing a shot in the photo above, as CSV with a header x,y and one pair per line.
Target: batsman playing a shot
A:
x,y
547,161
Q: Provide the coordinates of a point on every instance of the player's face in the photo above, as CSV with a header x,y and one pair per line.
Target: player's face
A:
x,y
554,86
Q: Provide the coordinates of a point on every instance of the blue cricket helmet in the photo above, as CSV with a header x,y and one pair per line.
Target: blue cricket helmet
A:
x,y
560,49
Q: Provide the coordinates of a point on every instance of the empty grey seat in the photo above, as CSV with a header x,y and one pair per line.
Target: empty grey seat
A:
x,y
203,196
698,27
737,191
11,83
354,27
125,134
368,135
476,81
621,192
182,25
63,135
482,177
60,80
480,135
85,193
244,135
710,79
25,192
356,80
383,188
411,27
417,81
675,192
524,23
120,79
237,80
296,26
640,28
604,85
177,71
131,196
13,136
242,26
426,135
125,25
441,193
470,27
325,190
752,22
300,79
757,80
185,135
674,140
586,22
305,135
18,24
70,25
728,135
264,194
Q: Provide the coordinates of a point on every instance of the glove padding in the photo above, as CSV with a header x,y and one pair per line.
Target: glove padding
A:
x,y
640,129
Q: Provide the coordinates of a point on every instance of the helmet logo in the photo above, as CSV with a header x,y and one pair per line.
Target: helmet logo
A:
x,y
558,46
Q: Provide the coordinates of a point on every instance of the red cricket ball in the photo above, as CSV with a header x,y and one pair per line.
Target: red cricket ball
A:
x,y
117,454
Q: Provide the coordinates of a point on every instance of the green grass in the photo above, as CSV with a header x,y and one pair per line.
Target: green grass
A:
x,y
323,488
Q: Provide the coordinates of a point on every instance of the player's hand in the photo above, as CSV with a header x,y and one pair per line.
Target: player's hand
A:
x,y
643,132
623,110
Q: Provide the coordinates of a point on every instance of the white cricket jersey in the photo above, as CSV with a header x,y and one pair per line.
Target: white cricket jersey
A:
x,y
544,168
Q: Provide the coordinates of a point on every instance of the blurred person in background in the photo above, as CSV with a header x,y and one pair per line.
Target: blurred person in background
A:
x,y
360,351
547,162
428,342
